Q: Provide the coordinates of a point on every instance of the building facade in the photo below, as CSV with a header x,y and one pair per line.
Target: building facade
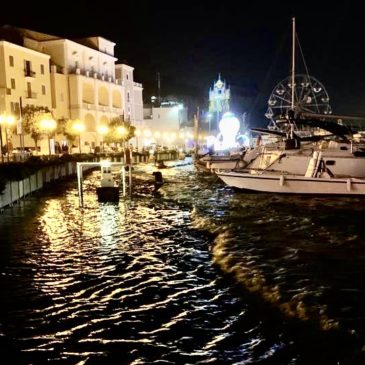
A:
x,y
165,126
76,79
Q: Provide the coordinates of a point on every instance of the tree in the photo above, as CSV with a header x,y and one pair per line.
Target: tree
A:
x,y
31,116
67,129
114,134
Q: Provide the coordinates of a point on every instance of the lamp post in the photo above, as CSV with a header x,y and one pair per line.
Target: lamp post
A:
x,y
137,133
6,120
48,125
78,126
122,132
103,130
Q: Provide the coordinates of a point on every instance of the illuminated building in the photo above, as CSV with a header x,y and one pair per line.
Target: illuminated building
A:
x,y
167,124
76,79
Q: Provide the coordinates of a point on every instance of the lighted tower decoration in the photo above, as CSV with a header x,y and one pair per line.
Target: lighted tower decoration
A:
x,y
219,99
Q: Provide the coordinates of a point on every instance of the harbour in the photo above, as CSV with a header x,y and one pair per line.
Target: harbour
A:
x,y
171,194
199,273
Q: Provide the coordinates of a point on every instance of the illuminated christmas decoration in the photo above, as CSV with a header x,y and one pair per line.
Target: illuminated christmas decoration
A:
x,y
219,102
229,127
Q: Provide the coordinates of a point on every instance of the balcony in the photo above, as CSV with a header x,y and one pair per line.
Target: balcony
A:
x,y
116,110
88,106
29,73
103,108
30,95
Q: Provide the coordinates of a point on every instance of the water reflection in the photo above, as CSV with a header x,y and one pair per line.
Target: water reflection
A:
x,y
198,274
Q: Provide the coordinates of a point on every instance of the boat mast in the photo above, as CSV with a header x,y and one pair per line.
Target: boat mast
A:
x,y
293,65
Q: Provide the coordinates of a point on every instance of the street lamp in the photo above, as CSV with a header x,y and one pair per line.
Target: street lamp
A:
x,y
137,133
7,121
48,125
78,126
103,130
122,132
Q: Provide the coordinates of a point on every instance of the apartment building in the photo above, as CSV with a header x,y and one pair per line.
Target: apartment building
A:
x,y
76,79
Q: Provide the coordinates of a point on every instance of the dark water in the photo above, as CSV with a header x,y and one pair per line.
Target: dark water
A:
x,y
198,274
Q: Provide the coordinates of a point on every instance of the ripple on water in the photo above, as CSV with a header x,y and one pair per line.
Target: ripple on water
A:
x,y
134,282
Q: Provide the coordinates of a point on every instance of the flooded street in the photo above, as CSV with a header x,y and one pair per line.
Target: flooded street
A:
x,y
198,273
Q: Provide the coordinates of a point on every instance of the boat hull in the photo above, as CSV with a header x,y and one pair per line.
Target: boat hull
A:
x,y
108,194
292,184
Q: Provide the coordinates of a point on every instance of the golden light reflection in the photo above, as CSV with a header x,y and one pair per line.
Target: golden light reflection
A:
x,y
253,279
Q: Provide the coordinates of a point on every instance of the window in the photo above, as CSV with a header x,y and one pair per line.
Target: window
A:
x,y
14,108
42,69
29,89
28,68
12,83
128,97
11,61
43,90
127,76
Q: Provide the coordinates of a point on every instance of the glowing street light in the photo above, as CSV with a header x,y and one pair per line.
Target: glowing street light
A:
x,y
137,134
6,120
78,126
122,132
147,133
103,130
48,125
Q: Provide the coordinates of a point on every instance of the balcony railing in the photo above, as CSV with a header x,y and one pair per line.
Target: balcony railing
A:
x,y
30,95
29,73
89,106
103,108
91,73
116,110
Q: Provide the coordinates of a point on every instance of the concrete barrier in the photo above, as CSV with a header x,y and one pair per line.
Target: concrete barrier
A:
x,y
15,190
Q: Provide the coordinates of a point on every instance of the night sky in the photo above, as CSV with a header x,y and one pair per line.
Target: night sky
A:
x,y
189,43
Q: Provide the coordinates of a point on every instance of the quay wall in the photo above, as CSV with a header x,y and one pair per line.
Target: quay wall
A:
x,y
16,190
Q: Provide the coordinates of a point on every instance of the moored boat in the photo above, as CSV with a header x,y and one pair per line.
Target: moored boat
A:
x,y
317,180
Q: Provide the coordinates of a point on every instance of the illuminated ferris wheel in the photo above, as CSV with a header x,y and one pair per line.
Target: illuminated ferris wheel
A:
x,y
310,96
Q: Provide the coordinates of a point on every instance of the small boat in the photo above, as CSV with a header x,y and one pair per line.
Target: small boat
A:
x,y
211,162
108,191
